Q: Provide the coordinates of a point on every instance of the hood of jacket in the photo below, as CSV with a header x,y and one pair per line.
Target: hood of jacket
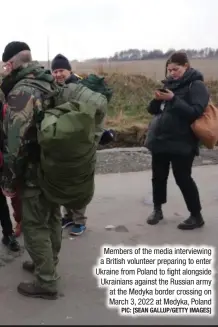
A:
x,y
190,76
72,79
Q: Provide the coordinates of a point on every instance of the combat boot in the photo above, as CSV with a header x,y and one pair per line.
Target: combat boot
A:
x,y
36,291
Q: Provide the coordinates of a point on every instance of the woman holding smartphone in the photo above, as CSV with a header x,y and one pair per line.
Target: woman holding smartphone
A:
x,y
171,140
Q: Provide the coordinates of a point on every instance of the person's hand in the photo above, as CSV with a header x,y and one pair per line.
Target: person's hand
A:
x,y
162,96
8,194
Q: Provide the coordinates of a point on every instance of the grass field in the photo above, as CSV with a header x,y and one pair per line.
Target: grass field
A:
x,y
134,84
154,69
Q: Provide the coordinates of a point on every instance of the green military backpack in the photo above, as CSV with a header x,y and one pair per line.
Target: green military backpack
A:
x,y
97,84
67,138
100,91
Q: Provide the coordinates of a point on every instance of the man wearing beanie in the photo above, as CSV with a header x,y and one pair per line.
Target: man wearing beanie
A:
x,y
62,71
40,218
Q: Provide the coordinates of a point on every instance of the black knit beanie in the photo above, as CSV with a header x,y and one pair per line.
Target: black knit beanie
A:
x,y
60,62
12,49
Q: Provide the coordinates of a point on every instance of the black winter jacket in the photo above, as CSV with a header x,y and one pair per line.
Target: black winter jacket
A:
x,y
72,79
171,132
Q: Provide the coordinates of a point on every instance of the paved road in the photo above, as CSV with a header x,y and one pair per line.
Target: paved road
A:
x,y
118,201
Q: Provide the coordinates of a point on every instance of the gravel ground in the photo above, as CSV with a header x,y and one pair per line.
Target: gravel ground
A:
x,y
120,160
123,160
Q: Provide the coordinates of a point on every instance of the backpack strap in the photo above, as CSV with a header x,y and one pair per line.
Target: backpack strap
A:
x,y
46,93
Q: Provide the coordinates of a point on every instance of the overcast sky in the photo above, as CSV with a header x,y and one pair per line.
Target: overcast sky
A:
x,y
82,29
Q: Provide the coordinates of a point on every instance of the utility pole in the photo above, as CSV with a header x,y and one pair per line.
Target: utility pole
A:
x,y
48,52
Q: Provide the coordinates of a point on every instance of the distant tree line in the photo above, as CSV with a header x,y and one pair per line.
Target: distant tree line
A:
x,y
136,54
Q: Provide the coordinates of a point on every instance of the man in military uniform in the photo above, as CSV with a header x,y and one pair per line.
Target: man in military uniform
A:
x,y
40,218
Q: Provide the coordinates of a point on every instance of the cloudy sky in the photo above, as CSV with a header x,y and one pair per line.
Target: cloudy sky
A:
x,y
82,29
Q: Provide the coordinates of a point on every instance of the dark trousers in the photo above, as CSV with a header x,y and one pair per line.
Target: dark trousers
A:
x,y
5,219
182,170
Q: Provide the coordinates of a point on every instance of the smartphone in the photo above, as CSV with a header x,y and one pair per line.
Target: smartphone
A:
x,y
162,90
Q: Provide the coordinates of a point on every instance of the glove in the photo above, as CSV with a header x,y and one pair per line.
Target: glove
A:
x,y
107,137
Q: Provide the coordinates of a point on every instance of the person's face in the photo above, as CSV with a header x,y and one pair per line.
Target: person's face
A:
x,y
61,75
176,71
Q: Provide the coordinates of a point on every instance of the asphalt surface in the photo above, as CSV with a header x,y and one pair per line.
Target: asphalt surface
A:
x,y
120,200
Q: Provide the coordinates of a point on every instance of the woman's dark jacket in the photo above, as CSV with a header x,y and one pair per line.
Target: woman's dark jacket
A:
x,y
171,132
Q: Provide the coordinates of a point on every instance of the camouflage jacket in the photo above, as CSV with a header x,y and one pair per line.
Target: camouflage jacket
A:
x,y
21,150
